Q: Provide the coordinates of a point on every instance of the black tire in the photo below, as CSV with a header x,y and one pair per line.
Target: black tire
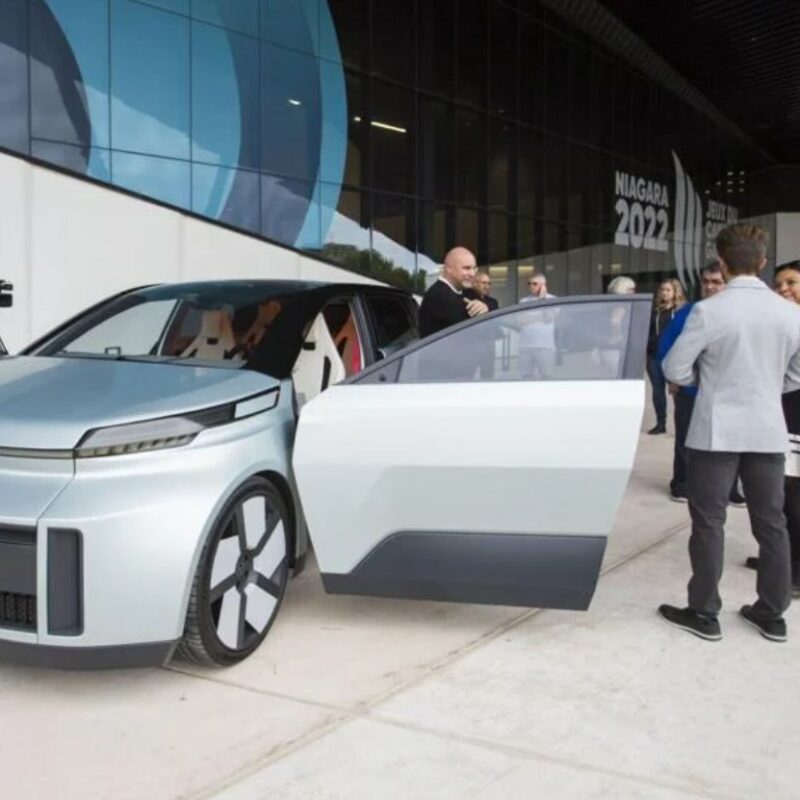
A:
x,y
212,635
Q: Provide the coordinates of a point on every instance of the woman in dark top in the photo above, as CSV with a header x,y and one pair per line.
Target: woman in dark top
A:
x,y
669,299
787,284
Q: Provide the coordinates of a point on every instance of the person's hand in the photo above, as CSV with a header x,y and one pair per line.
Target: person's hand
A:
x,y
673,388
475,307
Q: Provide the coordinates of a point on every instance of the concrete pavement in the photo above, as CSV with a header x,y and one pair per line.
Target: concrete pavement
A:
x,y
366,698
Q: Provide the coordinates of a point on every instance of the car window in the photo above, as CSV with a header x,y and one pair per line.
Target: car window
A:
x,y
568,342
393,322
134,331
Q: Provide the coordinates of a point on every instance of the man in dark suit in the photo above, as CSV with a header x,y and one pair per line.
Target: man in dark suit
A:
x,y
445,303
481,287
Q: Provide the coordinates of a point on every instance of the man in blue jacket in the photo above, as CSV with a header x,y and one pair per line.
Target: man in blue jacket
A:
x,y
712,282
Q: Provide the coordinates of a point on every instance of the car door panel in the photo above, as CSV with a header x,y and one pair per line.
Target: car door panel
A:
x,y
500,491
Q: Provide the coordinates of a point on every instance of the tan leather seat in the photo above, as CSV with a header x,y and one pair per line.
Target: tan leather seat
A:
x,y
215,340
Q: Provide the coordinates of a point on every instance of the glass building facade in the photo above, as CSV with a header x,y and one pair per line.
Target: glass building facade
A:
x,y
376,134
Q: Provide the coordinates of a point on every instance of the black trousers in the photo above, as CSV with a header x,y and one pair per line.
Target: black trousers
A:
x,y
711,475
792,509
684,405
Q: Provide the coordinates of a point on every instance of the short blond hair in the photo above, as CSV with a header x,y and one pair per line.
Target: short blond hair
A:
x,y
622,284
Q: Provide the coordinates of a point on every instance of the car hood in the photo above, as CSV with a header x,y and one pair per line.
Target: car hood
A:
x,y
50,403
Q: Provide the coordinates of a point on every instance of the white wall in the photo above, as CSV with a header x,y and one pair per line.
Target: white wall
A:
x,y
66,243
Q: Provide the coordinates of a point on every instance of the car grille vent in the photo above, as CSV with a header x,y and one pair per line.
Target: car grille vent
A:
x,y
18,611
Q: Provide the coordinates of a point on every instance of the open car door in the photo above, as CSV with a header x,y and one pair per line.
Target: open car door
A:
x,y
484,464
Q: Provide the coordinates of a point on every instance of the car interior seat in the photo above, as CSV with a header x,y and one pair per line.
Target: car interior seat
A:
x,y
319,363
215,340
348,346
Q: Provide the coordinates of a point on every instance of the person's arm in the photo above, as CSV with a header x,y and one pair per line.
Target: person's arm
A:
x,y
679,365
671,333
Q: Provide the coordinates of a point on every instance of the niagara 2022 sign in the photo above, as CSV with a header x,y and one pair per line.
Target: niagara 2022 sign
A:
x,y
643,219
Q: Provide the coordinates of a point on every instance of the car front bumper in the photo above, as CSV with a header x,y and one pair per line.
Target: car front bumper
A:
x,y
101,553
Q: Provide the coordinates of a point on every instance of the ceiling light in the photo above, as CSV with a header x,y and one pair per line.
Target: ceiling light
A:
x,y
293,102
386,127
356,119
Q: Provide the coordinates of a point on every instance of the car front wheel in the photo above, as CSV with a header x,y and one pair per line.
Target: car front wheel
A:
x,y
241,577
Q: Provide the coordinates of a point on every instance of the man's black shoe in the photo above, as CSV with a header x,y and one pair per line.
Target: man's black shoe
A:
x,y
772,629
737,499
660,428
678,497
751,562
688,620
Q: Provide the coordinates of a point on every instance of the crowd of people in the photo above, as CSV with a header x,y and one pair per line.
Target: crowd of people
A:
x,y
731,362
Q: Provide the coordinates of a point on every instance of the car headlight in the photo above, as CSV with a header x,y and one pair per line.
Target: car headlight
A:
x,y
168,432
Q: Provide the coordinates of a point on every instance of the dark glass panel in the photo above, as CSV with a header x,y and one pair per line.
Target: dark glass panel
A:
x,y
165,179
579,93
554,261
286,205
436,46
640,120
532,73
554,206
392,134
214,110
74,157
393,30
14,132
500,249
557,83
355,170
351,22
150,86
578,261
290,113
394,237
241,16
467,229
502,141
622,111
580,178
601,102
346,235
229,195
437,157
437,223
530,173
472,31
503,61
471,157
294,24
70,101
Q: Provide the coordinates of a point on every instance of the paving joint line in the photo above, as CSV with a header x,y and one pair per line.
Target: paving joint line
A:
x,y
527,753
364,710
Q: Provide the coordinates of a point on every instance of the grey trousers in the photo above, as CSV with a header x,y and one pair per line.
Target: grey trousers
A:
x,y
710,477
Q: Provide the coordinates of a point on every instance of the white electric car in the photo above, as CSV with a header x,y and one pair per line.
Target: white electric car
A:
x,y
165,457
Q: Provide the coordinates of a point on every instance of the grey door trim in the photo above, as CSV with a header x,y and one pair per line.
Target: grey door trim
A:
x,y
537,571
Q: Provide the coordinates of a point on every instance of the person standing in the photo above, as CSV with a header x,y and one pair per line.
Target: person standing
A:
x,y
669,300
786,283
712,281
445,303
481,287
742,347
537,344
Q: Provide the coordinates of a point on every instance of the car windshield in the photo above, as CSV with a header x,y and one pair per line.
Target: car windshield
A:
x,y
228,324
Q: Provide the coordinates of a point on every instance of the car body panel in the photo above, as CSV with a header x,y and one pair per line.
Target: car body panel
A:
x,y
444,487
50,403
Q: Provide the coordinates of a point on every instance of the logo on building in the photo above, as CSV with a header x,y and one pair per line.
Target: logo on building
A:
x,y
643,220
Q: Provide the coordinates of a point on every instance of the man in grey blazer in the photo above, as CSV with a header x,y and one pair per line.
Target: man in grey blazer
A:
x,y
742,348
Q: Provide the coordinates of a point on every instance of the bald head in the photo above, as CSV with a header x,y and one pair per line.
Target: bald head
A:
x,y
459,268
